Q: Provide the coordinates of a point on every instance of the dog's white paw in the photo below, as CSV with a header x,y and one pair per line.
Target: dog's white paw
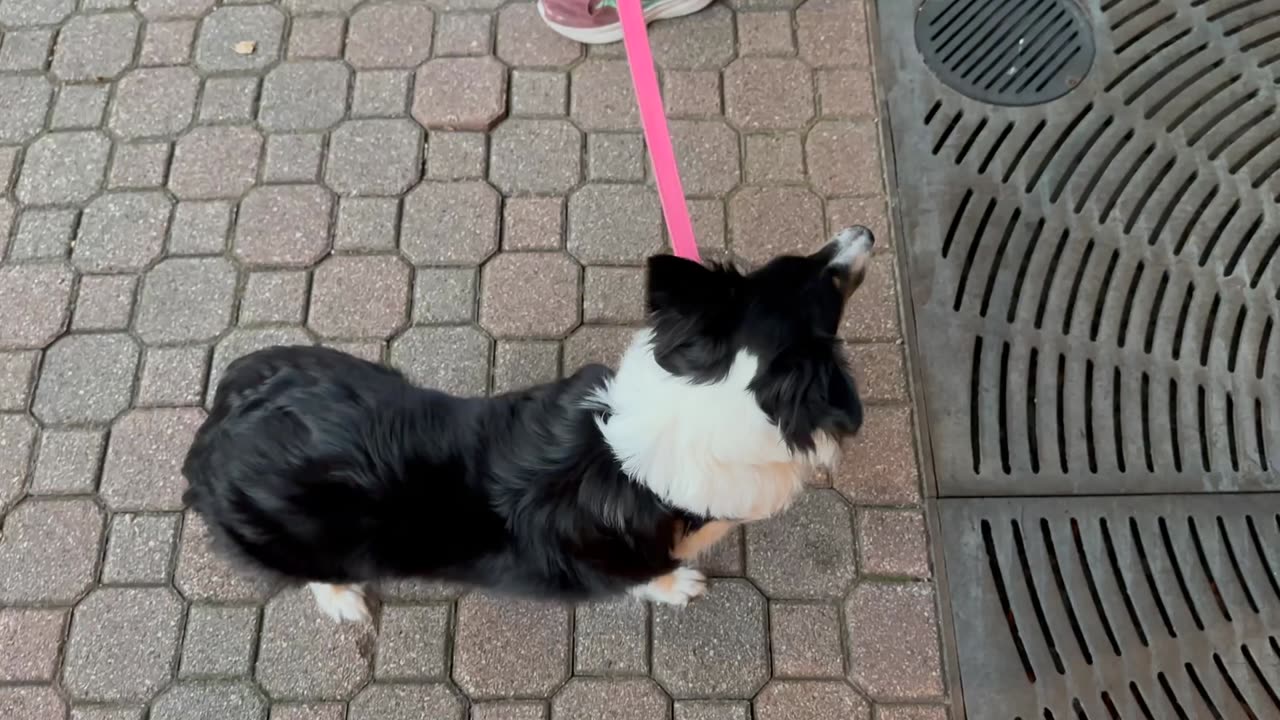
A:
x,y
343,603
677,587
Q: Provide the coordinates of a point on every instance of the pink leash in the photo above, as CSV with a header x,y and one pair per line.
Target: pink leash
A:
x,y
657,134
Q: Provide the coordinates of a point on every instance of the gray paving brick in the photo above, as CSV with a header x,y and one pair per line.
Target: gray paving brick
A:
x,y
715,647
611,638
32,638
304,95
43,234
614,224
805,640
706,42
107,712
104,302
406,702
143,468
200,228
157,9
412,643
457,156
768,221
68,462
508,647
240,342
893,543
32,703
309,711
452,359
601,98
774,157
616,156
539,92
765,33
317,37
154,102
613,294
450,223
26,49
595,344
381,93
519,364
460,93
215,162
293,158
17,13
615,699
306,656
40,534
17,375
523,40
274,297
708,150
370,224
140,549
509,710
444,295
374,157
63,167
224,29
122,232
95,47
806,552
535,156
359,296
139,165
79,107
530,295
418,590
173,376
219,641
893,640
389,36
17,439
86,379
299,7
167,43
286,226
533,224
185,300
41,295
228,99
8,163
204,574
911,712
206,701
463,34
797,700
768,94
712,710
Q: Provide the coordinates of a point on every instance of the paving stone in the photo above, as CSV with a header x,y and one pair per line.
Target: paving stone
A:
x,y
595,344
768,94
241,342
893,640
611,638
17,376
200,228
27,103
63,168
173,376
381,93
308,711
186,300
506,647
460,93
450,359
911,712
317,37
509,710
806,552
518,364
833,34
31,703
17,440
283,226
86,379
26,50
228,99
712,710
140,165
140,549
893,543
846,92
370,350
33,638
457,156
158,9
8,163
368,224
389,36
844,158
359,296
524,40
407,702
412,643
122,232
799,700
613,295
444,295
104,712
616,699
713,647
614,224
724,559
95,47
18,13
79,107
879,466
273,298
616,156
122,644
873,314
301,7
539,92
223,29
709,156
770,221
293,158
463,34
304,95
418,590
374,157
304,655
204,574
530,295
601,96
805,640
41,295
152,102
533,224
43,235
880,372
450,223
219,641
68,462
167,43
868,211
210,701
7,212
535,156
774,158
215,162
143,469
765,33
691,93
40,534
704,42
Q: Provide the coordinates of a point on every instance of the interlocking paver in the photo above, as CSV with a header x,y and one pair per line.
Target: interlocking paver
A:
x,y
381,93
518,364
304,95
444,295
79,107
611,638
613,294
806,552
463,34
40,534
712,710
200,228
535,156
879,467
374,157
274,297
317,37
95,47
68,462
43,234
601,97
215,162
846,92
406,702
911,712
167,42
691,93
40,296
775,157
140,549
122,232
172,376
86,379
843,158
17,439
293,158
617,156
204,574
389,36
32,703
716,646
286,226
893,543
139,165
768,94
359,296
143,468
123,643
63,167
805,640
27,100
309,711
153,102
305,656
704,42
228,99
159,9
893,638
709,156
367,224
412,643
833,34
614,224
525,41
876,316
26,49
460,93
530,295
222,32
768,221
457,156
219,641
242,341
595,344
508,647
765,33
616,699
533,224
798,700
185,300
107,712
32,639
509,710
539,92
17,371
198,701
450,223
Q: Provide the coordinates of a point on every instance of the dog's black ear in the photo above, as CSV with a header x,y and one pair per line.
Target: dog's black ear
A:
x,y
806,389
693,310
679,285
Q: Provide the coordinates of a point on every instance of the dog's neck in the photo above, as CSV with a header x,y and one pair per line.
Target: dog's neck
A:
x,y
707,449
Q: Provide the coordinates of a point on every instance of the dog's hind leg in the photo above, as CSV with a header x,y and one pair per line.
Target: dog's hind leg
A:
x,y
677,587
343,603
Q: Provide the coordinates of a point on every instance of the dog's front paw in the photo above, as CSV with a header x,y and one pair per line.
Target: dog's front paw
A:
x,y
343,603
677,587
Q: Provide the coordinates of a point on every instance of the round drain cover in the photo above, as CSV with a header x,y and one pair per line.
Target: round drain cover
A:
x,y
1006,52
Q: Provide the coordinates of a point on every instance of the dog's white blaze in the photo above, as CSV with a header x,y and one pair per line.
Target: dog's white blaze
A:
x,y
708,449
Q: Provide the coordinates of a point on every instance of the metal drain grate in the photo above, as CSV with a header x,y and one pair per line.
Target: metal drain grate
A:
x,y
1102,266
1007,52
1139,608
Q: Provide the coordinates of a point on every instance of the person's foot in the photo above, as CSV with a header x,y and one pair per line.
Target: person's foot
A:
x,y
595,22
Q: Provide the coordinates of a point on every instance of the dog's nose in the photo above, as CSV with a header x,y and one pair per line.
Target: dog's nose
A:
x,y
852,247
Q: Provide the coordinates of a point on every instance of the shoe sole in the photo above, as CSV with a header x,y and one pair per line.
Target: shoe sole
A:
x,y
661,10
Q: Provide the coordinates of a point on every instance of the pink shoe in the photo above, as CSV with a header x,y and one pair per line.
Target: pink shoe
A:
x,y
595,22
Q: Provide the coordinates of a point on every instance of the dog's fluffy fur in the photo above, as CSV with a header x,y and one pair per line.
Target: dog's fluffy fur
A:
x,y
335,471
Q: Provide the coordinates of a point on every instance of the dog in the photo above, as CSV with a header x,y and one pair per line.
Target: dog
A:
x,y
337,472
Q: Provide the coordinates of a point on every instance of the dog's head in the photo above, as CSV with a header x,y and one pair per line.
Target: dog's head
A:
x,y
785,315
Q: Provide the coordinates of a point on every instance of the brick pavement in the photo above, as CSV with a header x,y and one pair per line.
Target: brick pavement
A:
x,y
448,187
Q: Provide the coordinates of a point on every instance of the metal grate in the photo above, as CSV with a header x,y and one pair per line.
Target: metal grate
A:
x,y
1139,608
1095,280
1006,52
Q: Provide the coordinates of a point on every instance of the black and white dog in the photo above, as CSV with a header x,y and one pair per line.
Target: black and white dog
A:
x,y
335,471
